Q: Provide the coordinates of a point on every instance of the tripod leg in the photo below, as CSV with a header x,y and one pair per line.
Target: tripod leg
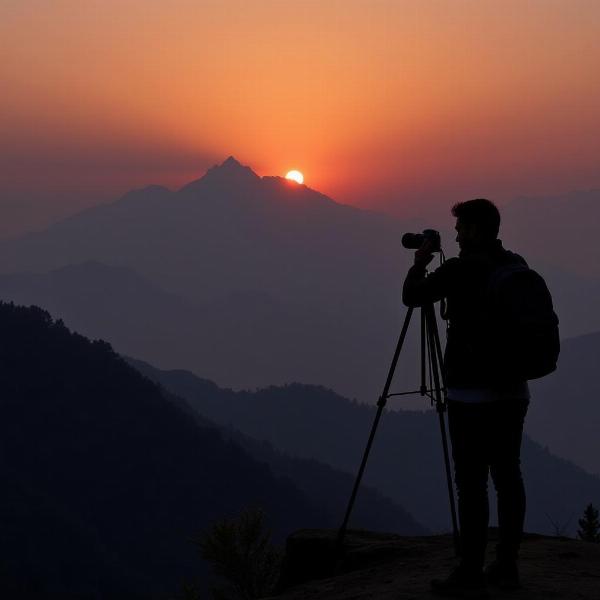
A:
x,y
423,353
435,349
455,533
380,406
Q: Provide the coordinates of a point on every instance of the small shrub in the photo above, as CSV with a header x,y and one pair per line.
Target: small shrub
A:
x,y
242,555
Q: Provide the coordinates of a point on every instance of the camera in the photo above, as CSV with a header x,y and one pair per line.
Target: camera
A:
x,y
414,241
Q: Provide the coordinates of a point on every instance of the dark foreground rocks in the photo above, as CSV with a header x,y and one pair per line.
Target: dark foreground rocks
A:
x,y
386,566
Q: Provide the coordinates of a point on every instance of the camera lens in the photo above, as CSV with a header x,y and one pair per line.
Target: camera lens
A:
x,y
413,241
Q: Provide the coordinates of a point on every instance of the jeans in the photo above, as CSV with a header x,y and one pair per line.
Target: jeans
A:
x,y
486,438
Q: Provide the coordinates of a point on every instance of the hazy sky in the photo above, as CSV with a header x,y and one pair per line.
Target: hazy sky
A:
x,y
380,103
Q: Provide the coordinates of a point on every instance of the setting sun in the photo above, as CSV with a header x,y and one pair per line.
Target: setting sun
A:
x,y
295,176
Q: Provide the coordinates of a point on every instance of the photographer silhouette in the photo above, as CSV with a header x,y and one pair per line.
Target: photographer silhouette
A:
x,y
502,331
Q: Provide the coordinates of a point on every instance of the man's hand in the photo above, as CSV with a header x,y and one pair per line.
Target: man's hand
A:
x,y
424,255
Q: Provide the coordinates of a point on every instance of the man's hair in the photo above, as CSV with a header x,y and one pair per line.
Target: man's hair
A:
x,y
480,212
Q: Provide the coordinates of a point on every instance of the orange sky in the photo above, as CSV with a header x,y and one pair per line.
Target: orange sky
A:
x,y
386,104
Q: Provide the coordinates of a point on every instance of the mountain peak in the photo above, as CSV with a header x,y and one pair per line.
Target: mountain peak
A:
x,y
231,167
229,173
231,162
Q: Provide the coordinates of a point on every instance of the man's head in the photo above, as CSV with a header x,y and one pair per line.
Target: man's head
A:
x,y
477,223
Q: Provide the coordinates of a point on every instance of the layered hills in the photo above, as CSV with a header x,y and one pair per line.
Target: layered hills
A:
x,y
281,273
253,281
406,459
107,481
566,415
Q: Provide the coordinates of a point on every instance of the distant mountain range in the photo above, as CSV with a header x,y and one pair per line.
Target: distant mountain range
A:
x,y
253,281
565,414
292,284
406,462
106,481
228,231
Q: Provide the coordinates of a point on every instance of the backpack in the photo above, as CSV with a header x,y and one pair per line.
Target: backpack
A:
x,y
524,325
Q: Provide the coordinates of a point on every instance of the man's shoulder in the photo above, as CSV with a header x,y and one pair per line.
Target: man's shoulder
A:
x,y
505,256
514,258
492,259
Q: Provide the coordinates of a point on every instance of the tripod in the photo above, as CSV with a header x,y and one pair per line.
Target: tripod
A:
x,y
431,361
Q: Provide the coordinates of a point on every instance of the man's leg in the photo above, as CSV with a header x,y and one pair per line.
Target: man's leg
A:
x,y
505,467
467,433
468,425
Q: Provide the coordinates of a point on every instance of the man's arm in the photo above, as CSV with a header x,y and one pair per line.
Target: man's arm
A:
x,y
421,289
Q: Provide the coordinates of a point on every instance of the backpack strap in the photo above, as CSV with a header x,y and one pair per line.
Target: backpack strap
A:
x,y
501,273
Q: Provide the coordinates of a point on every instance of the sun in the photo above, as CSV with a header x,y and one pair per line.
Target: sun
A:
x,y
295,176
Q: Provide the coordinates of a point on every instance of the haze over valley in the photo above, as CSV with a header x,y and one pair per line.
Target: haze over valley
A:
x,y
252,281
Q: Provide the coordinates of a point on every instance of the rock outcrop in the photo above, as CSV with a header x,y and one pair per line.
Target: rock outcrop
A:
x,y
382,567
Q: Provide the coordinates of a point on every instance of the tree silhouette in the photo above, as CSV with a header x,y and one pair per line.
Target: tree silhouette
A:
x,y
241,554
589,525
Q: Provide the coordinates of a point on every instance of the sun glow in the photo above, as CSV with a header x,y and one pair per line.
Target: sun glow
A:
x,y
295,176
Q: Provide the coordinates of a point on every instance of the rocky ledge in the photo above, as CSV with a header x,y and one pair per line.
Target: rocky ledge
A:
x,y
383,566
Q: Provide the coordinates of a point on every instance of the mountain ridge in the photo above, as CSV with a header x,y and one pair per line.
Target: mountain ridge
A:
x,y
332,275
285,240
107,480
406,459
